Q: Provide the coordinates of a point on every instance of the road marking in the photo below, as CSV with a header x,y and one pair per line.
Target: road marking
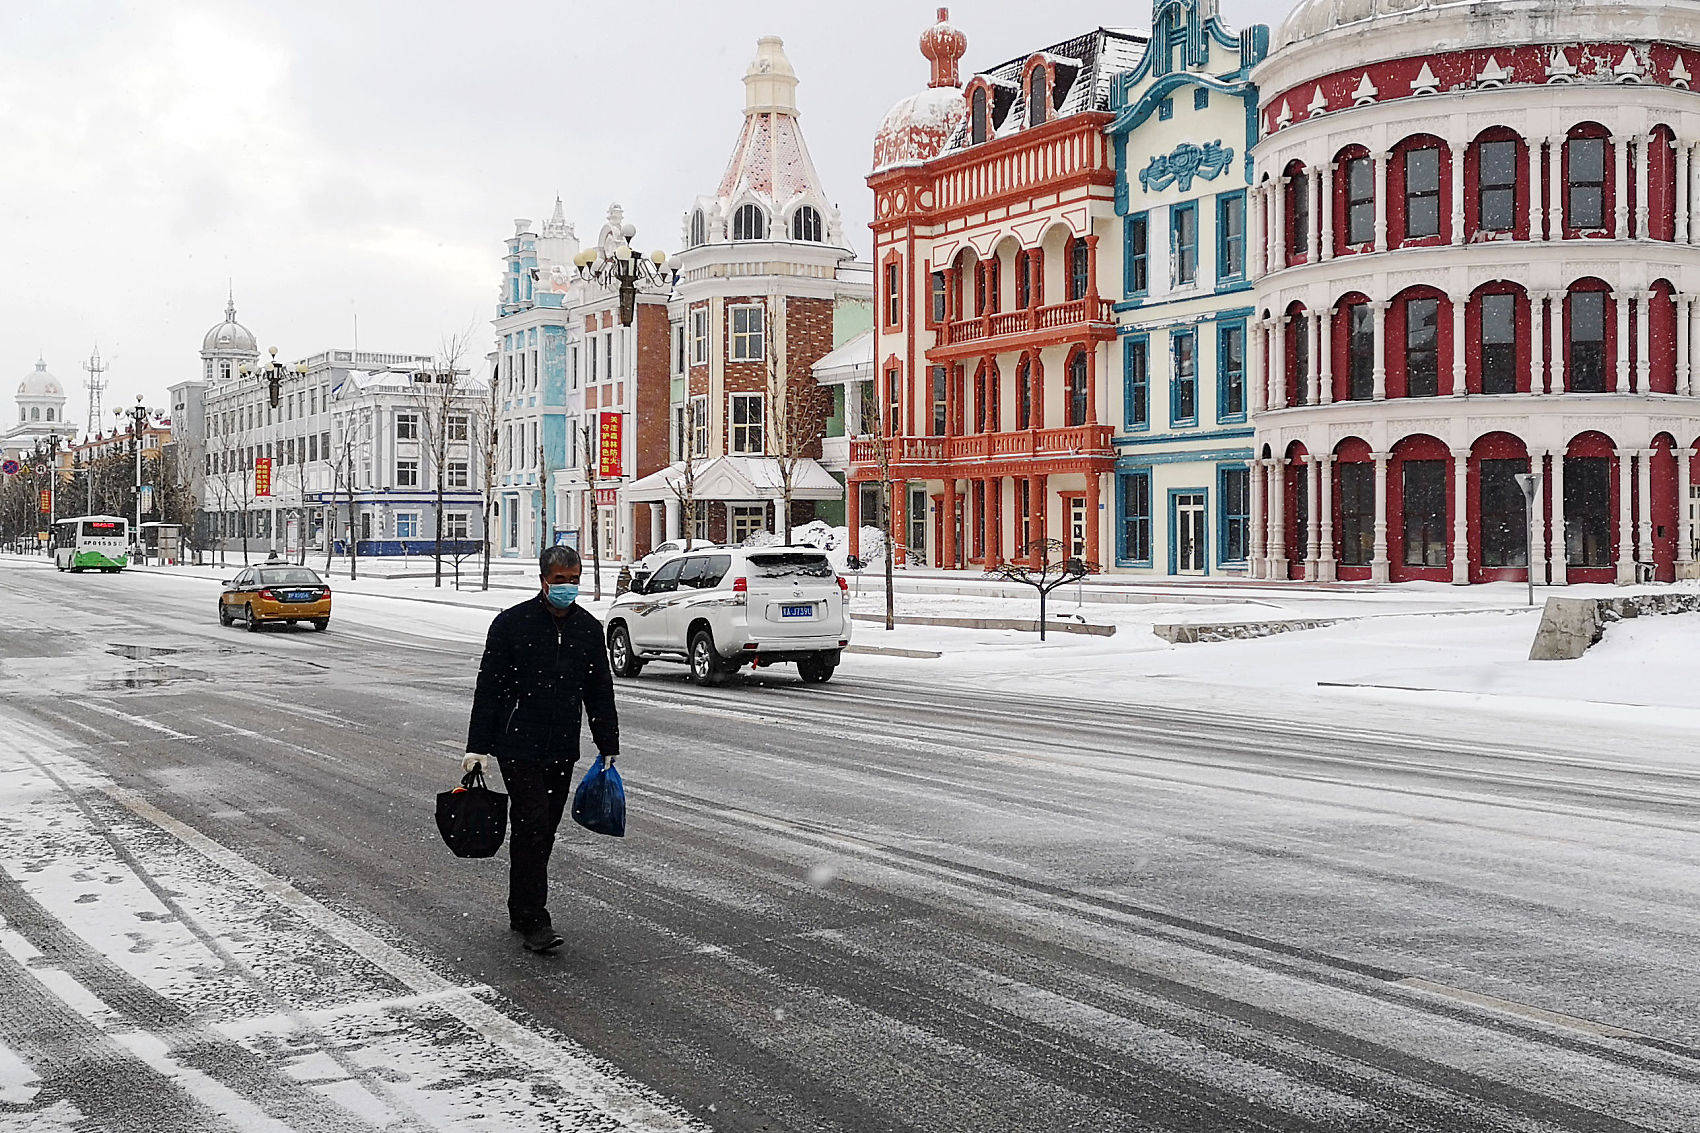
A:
x,y
1522,1010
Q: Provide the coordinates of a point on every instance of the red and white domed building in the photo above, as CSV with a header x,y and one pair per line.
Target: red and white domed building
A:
x,y
1480,254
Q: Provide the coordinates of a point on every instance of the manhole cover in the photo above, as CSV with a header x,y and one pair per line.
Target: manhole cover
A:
x,y
151,677
140,652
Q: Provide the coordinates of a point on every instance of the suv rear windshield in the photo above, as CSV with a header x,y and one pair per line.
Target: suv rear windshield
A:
x,y
791,564
289,576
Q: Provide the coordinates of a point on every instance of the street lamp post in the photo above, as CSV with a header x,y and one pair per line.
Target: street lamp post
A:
x,y
622,269
138,414
1530,482
272,373
47,463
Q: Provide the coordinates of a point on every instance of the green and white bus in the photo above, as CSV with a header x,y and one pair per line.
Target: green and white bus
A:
x,y
91,542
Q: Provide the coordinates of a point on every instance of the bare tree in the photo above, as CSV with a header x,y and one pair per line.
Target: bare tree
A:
x,y
437,398
796,419
487,451
1047,568
684,487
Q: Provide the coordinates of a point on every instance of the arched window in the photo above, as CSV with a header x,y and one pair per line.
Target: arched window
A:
x,y
35,413
699,228
806,224
1076,393
1587,181
1360,199
977,116
749,223
1038,98
1079,268
1586,323
1024,395
50,413
1298,210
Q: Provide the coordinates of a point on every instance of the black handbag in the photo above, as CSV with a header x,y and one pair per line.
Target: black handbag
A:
x,y
472,818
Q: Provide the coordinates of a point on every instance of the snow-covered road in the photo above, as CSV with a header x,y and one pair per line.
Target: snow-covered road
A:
x,y
877,905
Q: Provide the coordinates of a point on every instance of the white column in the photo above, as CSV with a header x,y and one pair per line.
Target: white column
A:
x,y
1258,381
1278,229
1313,519
1381,201
1625,518
1684,325
1643,341
1325,565
671,507
1644,506
1537,214
1555,345
1313,186
1278,368
1256,239
1460,517
1326,221
1620,186
1254,554
1324,356
1556,550
778,523
1555,187
1460,348
1536,519
1378,345
1537,341
1457,221
1687,330
1681,229
657,530
1644,183
1378,564
1620,299
1684,516
1277,548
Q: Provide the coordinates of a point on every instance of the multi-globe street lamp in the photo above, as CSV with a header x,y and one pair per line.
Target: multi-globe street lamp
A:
x,y
139,415
272,373
46,466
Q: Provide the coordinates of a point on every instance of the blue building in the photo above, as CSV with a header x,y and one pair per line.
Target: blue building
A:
x,y
1186,120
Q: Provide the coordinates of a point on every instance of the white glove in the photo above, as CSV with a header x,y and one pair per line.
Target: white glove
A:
x,y
474,761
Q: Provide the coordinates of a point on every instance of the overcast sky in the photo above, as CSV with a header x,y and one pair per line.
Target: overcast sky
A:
x,y
334,157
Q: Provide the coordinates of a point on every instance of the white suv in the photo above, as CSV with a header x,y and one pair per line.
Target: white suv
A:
x,y
725,607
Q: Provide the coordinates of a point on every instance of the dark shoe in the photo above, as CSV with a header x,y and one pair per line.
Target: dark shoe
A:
x,y
542,938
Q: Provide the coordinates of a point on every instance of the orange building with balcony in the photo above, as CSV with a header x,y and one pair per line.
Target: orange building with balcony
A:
x,y
992,334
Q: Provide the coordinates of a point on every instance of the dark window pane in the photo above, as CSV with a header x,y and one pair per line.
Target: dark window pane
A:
x,y
1230,356
1499,343
1138,255
1298,228
1422,193
1425,513
1497,185
1360,352
1504,538
1587,511
1357,513
1585,207
1236,514
1185,406
1587,341
1137,394
1422,353
1231,232
1360,200
1300,330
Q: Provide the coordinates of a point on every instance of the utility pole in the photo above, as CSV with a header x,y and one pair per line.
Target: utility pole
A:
x,y
97,387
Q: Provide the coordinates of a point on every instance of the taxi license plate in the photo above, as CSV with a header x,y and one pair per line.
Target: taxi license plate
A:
x,y
296,596
797,611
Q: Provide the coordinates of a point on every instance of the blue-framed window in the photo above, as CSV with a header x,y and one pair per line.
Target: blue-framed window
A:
x,y
1233,498
1133,518
1166,109
1183,242
1136,383
1230,236
1201,98
1230,371
1183,377
1136,232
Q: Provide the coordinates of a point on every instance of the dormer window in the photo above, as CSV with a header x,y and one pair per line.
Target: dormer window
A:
x,y
699,229
749,223
978,116
806,224
1038,97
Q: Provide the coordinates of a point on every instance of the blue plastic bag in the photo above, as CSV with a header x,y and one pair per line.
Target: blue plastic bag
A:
x,y
599,804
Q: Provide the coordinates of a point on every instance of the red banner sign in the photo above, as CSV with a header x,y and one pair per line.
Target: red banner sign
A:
x,y
46,501
262,475
610,443
607,497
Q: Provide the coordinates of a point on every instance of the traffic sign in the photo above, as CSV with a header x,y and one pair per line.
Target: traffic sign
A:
x,y
41,468
11,467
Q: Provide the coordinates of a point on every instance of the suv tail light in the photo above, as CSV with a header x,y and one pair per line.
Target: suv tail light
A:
x,y
740,586
842,585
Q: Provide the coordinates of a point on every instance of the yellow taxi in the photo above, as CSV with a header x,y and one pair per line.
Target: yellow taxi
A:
x,y
275,593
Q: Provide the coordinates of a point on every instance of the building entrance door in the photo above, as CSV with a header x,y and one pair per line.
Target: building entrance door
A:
x,y
1693,520
1189,533
1077,520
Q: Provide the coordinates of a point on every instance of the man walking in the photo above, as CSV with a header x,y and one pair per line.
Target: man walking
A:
x,y
544,662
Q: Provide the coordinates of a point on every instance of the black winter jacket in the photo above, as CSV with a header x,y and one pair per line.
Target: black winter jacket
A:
x,y
537,674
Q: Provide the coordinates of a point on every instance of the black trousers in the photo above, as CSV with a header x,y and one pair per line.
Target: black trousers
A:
x,y
538,793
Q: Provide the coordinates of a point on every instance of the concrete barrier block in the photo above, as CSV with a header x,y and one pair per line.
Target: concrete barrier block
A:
x,y
1568,627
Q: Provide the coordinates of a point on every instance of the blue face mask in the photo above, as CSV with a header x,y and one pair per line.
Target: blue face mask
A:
x,y
563,594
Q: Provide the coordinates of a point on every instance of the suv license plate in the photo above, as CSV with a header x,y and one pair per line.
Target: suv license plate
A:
x,y
797,611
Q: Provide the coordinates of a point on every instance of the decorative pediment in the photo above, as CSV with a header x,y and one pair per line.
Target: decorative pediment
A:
x,y
1630,69
1285,117
1365,92
1679,76
1184,163
1560,69
1425,82
1492,74
1318,103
